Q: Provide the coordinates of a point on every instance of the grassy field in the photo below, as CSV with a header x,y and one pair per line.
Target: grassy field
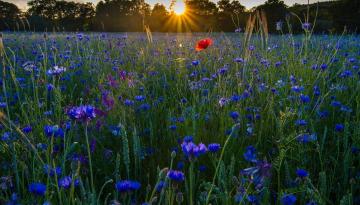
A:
x,y
119,118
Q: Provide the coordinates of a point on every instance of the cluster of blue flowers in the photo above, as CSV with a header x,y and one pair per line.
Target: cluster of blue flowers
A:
x,y
82,113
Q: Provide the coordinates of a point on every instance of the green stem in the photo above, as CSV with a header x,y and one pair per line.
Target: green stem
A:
x,y
191,181
218,165
90,162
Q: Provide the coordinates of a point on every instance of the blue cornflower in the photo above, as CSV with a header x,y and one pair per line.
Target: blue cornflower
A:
x,y
346,73
128,102
66,182
239,60
180,165
127,186
3,104
175,175
183,100
297,88
82,113
323,66
335,103
234,115
306,26
316,90
202,168
252,199
195,62
52,171
288,199
159,186
345,108
188,138
250,154
258,174
139,98
192,150
235,98
27,129
304,98
37,189
6,137
323,114
301,123
144,107
355,150
339,127
50,87
56,70
302,173
214,147
172,127
53,131
306,138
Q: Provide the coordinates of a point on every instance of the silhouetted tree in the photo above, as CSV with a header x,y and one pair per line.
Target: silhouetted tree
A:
x,y
122,15
346,13
202,14
231,15
9,14
275,11
158,17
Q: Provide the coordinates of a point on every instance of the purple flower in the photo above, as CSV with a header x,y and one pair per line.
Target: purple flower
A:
x,y
82,113
214,147
250,154
56,70
239,60
306,26
258,174
53,131
66,182
192,150
127,186
175,175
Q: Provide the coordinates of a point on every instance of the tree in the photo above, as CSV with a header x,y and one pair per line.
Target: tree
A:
x,y
158,17
231,15
346,14
122,15
9,14
275,11
42,8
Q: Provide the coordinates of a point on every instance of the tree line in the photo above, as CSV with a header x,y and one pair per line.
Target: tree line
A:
x,y
200,16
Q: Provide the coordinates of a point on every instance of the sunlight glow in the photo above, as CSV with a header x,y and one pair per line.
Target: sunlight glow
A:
x,y
179,7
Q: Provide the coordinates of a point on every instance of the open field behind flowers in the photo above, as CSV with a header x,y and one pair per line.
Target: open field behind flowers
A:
x,y
146,119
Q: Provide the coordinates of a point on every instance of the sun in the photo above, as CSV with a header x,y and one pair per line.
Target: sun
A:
x,y
179,7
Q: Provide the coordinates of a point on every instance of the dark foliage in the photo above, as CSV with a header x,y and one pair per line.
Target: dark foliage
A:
x,y
201,15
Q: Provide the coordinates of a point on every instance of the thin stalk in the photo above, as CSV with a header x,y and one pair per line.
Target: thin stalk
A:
x,y
90,162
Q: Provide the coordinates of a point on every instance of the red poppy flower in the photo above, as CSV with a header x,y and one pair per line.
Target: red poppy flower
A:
x,y
203,44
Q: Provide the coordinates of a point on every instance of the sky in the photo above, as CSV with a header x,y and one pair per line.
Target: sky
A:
x,y
22,4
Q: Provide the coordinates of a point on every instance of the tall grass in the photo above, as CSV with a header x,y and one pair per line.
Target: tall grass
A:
x,y
151,90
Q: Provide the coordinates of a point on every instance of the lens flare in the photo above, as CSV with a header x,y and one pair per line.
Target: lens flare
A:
x,y
179,7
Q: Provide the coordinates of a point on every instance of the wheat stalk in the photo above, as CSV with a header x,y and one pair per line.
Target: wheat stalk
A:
x,y
1,46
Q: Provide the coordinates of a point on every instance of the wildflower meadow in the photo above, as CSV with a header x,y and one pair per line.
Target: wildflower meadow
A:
x,y
179,118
